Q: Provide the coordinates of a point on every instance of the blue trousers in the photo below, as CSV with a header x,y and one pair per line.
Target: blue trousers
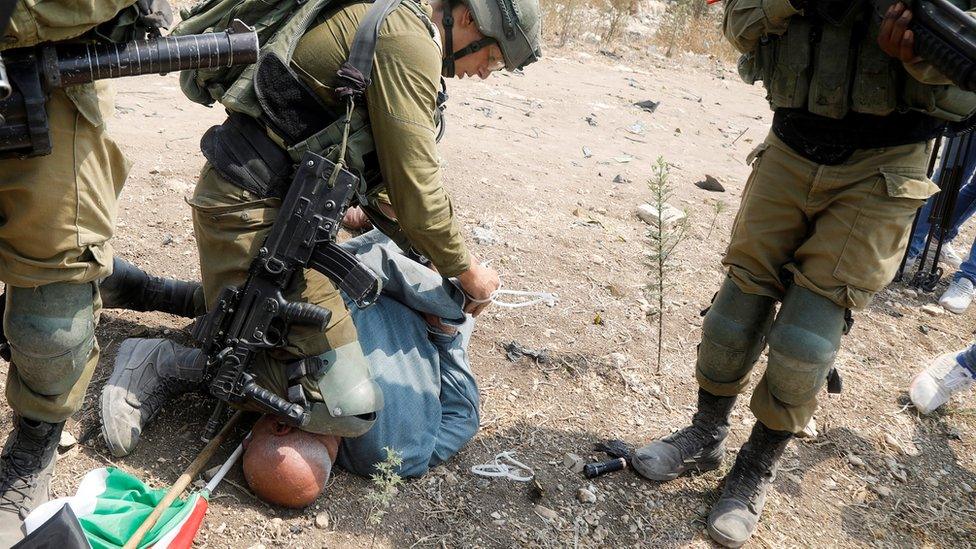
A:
x,y
431,397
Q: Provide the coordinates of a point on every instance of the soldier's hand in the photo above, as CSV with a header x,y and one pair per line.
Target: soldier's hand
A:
x,y
478,282
894,38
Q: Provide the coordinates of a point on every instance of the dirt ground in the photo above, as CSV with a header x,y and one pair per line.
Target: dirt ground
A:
x,y
553,163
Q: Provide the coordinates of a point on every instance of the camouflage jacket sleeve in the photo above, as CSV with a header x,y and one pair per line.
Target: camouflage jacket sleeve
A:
x,y
746,21
401,101
53,20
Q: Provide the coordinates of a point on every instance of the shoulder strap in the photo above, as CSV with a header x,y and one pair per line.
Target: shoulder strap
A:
x,y
364,43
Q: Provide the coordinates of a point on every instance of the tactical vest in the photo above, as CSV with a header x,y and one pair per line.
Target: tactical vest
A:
x,y
832,70
269,98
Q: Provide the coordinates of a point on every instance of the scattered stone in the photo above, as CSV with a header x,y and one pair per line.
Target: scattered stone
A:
x,y
933,309
910,292
484,236
648,106
636,128
855,460
450,478
587,153
220,529
573,462
167,240
620,179
597,259
669,214
546,513
810,431
591,120
209,473
496,515
710,183
966,488
67,442
257,546
893,443
932,481
882,491
585,496
900,474
322,520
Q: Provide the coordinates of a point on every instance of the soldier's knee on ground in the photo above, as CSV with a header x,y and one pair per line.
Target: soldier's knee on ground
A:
x,y
733,336
287,466
51,331
803,344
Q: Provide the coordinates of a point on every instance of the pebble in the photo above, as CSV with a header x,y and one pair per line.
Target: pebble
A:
x,y
855,460
933,309
882,491
67,441
597,259
931,481
496,515
220,529
966,488
257,546
450,478
322,520
669,214
546,513
893,443
484,236
710,183
573,462
585,496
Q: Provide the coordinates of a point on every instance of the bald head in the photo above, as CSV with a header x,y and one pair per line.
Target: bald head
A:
x,y
287,466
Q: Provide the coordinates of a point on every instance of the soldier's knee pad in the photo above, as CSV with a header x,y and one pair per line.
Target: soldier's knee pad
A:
x,y
803,344
733,333
350,396
51,331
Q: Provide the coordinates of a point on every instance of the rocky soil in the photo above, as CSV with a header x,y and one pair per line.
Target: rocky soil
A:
x,y
546,170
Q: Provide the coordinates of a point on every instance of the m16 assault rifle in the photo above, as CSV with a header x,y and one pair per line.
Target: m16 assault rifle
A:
x,y
35,72
255,316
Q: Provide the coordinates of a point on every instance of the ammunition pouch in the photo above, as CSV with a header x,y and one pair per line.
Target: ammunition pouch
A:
x,y
24,129
832,66
243,154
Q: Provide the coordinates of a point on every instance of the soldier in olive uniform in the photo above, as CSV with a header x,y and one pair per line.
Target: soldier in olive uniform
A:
x,y
58,213
418,42
824,219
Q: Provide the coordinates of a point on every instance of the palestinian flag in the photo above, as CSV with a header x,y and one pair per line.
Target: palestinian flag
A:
x,y
111,504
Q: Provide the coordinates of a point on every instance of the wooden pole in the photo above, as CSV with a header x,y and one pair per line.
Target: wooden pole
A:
x,y
185,479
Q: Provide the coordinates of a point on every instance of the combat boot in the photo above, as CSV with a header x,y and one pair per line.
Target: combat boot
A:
x,y
735,515
26,465
697,448
129,287
148,373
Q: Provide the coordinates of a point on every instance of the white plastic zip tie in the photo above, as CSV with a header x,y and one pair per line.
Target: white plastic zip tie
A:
x,y
505,466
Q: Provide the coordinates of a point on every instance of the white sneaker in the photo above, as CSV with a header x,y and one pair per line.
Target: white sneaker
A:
x,y
933,386
958,296
949,256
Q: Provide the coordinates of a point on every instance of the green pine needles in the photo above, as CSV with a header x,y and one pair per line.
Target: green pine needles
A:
x,y
665,235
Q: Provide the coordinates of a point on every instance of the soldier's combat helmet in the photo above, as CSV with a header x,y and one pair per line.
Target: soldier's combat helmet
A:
x,y
514,25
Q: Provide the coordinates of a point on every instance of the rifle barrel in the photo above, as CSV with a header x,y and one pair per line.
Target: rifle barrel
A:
x,y
71,64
